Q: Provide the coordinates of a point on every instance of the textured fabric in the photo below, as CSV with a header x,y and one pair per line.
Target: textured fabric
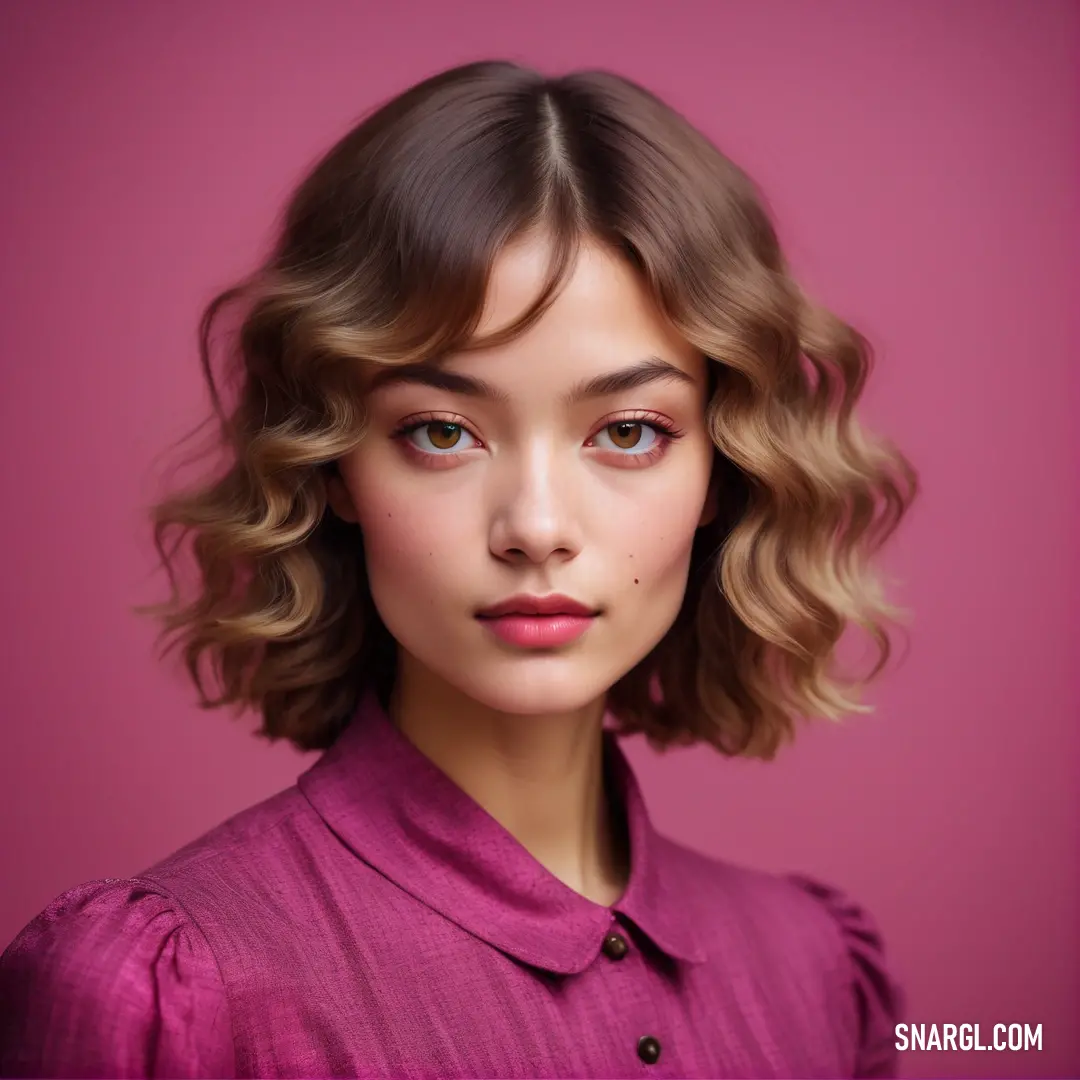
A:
x,y
375,921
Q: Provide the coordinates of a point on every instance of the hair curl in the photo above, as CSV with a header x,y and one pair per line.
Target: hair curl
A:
x,y
383,258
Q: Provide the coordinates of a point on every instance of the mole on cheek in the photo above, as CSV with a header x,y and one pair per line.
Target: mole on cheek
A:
x,y
635,581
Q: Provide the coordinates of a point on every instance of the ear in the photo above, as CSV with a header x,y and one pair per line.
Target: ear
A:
x,y
337,495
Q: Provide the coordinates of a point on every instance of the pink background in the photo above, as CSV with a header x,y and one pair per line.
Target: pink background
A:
x,y
921,158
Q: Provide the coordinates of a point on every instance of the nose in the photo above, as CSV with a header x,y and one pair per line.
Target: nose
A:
x,y
534,516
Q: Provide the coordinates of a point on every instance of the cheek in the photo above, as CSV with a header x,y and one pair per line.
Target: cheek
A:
x,y
414,545
658,554
653,538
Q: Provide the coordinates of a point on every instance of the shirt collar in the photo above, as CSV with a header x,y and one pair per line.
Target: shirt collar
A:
x,y
405,817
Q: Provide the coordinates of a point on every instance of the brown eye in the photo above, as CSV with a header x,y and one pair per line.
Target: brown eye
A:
x,y
625,434
443,436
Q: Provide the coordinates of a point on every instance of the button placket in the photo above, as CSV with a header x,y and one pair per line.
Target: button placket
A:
x,y
615,946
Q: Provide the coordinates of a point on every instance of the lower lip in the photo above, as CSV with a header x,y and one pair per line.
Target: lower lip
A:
x,y
538,631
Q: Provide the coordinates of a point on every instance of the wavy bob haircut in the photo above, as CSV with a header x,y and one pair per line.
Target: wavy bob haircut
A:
x,y
383,257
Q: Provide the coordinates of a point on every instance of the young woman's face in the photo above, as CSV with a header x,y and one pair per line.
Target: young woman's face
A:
x,y
572,461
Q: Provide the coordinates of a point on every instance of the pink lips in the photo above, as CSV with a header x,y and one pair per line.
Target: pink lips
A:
x,y
538,622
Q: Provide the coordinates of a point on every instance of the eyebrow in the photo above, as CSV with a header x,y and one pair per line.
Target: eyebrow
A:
x,y
650,370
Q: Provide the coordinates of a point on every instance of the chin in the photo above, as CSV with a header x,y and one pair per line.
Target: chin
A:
x,y
536,685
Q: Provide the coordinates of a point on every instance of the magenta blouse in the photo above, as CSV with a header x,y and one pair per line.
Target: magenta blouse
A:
x,y
375,921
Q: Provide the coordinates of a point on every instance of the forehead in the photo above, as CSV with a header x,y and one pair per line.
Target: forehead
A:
x,y
603,317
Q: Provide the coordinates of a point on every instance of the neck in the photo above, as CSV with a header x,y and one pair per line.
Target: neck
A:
x,y
541,777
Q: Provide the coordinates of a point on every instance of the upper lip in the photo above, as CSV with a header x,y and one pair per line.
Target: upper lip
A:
x,y
553,604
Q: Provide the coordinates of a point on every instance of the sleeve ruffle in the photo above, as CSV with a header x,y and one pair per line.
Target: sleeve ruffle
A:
x,y
878,996
112,979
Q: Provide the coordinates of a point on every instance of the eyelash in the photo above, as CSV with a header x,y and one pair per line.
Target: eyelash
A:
x,y
667,434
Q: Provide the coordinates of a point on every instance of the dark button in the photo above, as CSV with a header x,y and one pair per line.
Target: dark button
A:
x,y
648,1049
615,946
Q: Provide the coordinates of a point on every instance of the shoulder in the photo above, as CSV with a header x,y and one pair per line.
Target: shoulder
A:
x,y
120,976
238,867
803,913
252,835
806,932
776,912
112,978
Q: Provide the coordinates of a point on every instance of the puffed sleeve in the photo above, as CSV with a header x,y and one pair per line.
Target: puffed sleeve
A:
x,y
879,998
112,980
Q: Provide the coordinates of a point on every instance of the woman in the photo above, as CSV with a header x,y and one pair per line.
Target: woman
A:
x,y
533,430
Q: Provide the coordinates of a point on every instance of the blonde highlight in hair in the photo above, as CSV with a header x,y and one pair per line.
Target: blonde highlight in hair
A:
x,y
383,258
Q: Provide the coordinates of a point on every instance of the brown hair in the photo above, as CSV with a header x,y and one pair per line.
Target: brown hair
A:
x,y
383,258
